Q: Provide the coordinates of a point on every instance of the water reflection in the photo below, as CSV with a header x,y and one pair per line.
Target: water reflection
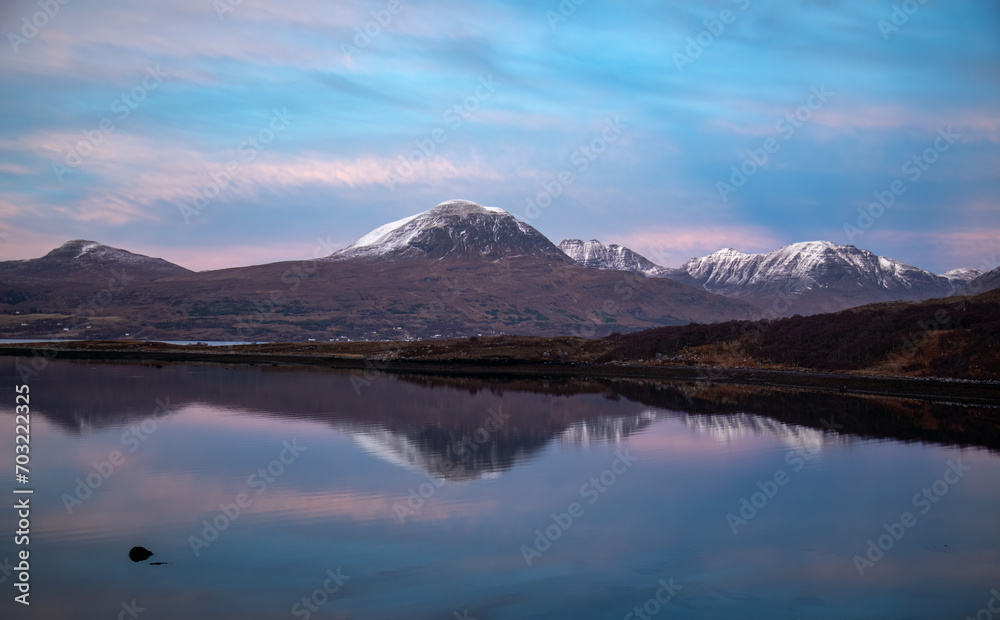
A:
x,y
401,421
480,466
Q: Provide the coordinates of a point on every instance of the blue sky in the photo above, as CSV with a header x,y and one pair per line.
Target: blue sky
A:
x,y
222,134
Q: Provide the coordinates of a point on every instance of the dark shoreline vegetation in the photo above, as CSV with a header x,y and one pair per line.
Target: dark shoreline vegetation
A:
x,y
951,337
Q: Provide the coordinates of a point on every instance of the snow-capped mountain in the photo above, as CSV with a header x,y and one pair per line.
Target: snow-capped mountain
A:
x,y
801,278
77,271
729,427
985,282
457,228
960,278
90,254
80,261
843,274
459,269
615,257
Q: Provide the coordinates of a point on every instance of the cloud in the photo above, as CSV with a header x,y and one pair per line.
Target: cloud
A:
x,y
138,173
237,255
961,247
672,246
356,117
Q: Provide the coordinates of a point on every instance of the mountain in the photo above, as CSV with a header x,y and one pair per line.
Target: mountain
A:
x,y
960,278
802,278
958,338
815,276
458,269
614,257
81,255
984,282
453,229
77,269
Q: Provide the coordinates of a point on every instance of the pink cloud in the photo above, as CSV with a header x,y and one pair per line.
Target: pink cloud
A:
x,y
671,246
973,125
204,259
140,172
976,248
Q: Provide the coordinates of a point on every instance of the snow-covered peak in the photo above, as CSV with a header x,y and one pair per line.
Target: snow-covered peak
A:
x,y
800,267
453,228
91,254
614,257
960,278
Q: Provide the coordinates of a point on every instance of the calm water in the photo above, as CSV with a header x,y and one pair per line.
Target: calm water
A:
x,y
579,499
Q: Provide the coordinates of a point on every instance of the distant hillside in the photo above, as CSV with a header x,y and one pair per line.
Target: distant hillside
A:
x,y
955,337
801,278
458,269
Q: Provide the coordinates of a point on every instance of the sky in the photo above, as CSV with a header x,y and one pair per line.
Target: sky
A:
x,y
235,132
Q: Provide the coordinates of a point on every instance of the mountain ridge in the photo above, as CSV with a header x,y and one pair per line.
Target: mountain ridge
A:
x,y
444,231
803,278
458,269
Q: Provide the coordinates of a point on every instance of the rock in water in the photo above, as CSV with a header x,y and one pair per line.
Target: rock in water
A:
x,y
138,554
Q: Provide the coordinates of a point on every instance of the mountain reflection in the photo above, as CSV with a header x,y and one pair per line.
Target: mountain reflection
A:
x,y
462,428
730,427
605,429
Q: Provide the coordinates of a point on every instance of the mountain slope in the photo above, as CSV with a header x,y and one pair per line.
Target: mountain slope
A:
x,y
957,337
802,278
960,278
613,257
816,276
457,229
78,269
458,269
985,282
83,255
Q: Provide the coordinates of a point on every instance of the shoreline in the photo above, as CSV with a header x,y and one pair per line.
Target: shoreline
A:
x,y
931,389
